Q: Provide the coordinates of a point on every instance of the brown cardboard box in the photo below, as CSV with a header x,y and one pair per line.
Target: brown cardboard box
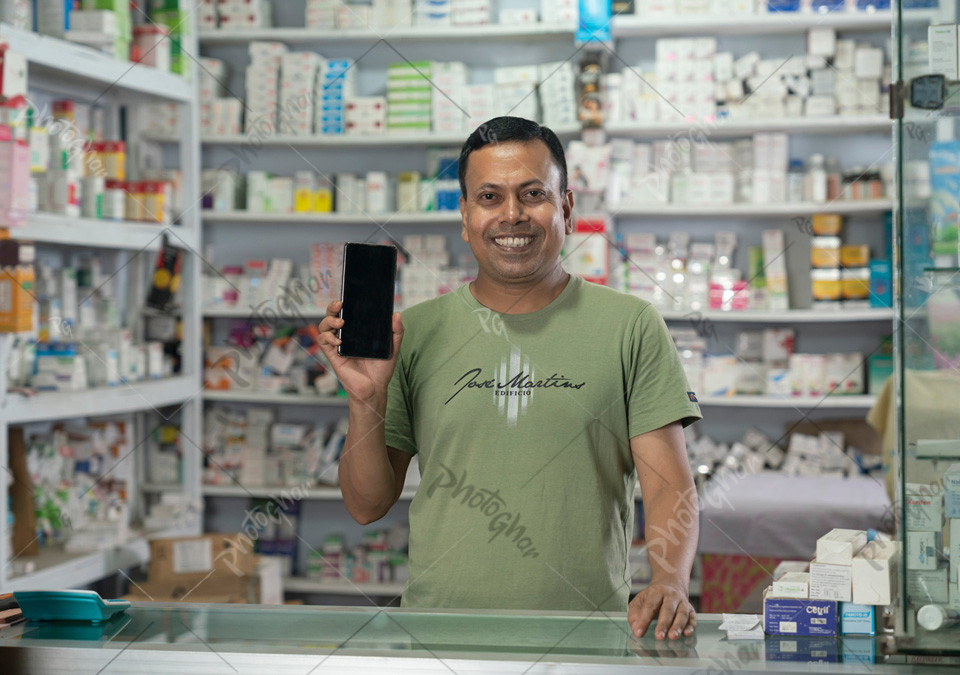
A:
x,y
186,558
211,568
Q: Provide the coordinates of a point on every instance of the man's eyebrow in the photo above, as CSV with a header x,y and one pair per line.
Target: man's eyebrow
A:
x,y
494,186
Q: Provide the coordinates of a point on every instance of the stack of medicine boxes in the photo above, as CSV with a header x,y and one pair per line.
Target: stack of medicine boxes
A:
x,y
321,14
175,15
241,14
409,97
516,91
366,115
336,85
298,76
263,87
838,592
391,13
450,81
557,85
931,580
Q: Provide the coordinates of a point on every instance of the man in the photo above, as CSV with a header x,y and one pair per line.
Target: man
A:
x,y
531,397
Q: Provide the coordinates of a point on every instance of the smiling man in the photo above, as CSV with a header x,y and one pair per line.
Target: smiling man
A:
x,y
532,429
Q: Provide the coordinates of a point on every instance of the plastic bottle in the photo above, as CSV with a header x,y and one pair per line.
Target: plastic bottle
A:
x,y
935,617
795,181
816,180
834,179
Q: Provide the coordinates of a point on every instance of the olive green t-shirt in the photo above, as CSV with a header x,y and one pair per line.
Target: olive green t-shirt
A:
x,y
522,423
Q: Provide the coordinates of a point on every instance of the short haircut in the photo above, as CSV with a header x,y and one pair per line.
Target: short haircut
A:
x,y
516,130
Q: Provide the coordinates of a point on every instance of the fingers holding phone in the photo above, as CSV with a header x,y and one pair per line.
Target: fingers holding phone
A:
x,y
361,333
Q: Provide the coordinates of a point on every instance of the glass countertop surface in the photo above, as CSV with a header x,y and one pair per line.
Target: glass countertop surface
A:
x,y
394,632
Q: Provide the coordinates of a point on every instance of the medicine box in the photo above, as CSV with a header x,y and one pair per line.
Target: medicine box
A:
x,y
792,585
874,572
923,550
942,50
839,546
928,586
857,619
805,650
954,551
924,506
831,582
788,616
951,492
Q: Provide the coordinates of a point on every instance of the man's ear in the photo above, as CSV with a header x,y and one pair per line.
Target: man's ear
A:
x,y
463,219
568,211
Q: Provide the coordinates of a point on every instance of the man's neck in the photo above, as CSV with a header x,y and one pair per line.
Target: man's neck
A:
x,y
519,298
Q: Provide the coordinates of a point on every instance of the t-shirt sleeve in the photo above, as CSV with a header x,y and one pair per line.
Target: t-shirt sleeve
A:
x,y
398,431
657,389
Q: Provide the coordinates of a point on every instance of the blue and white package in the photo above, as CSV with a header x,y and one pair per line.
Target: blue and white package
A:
x,y
857,619
802,618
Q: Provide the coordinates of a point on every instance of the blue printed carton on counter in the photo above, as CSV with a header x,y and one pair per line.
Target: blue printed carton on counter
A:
x,y
801,618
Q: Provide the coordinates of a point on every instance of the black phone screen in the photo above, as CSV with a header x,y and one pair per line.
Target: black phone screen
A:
x,y
369,277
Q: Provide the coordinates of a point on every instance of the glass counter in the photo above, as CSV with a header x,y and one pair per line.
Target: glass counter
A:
x,y
182,637
926,104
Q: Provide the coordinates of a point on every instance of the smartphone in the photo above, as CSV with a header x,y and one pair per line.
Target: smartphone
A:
x,y
367,290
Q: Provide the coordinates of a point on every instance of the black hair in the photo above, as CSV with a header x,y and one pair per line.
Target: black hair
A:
x,y
512,129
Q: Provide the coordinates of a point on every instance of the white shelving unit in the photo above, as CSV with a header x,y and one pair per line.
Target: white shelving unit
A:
x,y
790,316
732,128
346,141
834,402
69,70
48,228
319,493
787,209
395,218
57,569
119,400
312,36
629,26
277,399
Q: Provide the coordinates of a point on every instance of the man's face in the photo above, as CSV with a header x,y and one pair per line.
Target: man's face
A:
x,y
514,215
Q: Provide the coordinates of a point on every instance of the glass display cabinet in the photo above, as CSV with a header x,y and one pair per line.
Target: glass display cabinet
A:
x,y
925,103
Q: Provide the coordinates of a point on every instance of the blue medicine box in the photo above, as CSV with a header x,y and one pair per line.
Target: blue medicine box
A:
x,y
857,619
793,617
881,283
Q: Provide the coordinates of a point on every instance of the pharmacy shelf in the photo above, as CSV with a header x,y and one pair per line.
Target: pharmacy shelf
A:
x,y
319,36
626,26
253,314
267,491
790,316
796,402
127,398
393,218
260,397
350,141
65,64
304,585
787,209
748,127
50,228
56,569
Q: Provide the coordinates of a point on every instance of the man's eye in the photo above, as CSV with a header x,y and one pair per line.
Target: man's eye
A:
x,y
536,193
486,196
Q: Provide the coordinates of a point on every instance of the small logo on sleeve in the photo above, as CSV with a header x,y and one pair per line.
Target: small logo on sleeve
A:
x,y
692,396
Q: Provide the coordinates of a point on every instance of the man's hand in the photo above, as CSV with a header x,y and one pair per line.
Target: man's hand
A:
x,y
671,607
362,379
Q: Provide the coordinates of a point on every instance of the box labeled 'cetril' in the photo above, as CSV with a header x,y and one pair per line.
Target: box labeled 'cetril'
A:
x,y
789,616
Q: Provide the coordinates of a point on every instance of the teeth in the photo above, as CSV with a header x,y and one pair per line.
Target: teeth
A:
x,y
513,242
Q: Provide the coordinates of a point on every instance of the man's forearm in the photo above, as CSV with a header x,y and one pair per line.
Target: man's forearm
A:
x,y
672,531
367,480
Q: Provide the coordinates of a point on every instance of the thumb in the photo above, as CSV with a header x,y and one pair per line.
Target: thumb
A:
x,y
397,333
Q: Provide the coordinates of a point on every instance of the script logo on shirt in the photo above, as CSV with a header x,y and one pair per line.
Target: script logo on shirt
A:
x,y
521,384
512,384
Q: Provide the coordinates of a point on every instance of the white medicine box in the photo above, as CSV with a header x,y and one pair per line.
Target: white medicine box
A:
x,y
924,507
13,74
